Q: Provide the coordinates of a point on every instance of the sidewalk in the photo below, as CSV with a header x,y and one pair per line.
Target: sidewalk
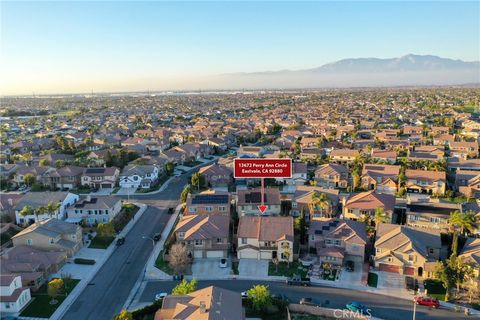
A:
x,y
58,314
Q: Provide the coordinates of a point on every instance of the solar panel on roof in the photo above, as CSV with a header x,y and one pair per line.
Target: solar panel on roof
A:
x,y
255,197
210,199
325,227
318,231
95,170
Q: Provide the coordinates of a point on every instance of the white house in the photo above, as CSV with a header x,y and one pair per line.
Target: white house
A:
x,y
40,200
135,176
13,297
94,209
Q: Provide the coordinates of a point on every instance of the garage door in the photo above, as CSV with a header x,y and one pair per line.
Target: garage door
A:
x,y
106,185
409,271
389,268
197,254
215,254
248,254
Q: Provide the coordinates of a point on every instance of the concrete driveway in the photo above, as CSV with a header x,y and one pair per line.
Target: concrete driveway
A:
x,y
103,192
393,282
355,277
126,191
253,268
210,268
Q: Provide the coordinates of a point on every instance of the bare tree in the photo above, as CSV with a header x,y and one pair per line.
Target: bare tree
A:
x,y
178,256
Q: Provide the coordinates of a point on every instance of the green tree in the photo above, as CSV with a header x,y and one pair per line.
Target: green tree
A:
x,y
43,163
169,167
319,200
52,207
380,216
259,296
185,287
196,180
124,315
355,180
185,192
26,211
54,288
106,229
29,179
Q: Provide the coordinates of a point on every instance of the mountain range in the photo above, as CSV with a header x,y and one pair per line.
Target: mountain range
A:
x,y
408,70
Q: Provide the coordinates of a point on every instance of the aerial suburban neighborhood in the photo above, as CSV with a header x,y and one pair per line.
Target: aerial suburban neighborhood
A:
x,y
377,201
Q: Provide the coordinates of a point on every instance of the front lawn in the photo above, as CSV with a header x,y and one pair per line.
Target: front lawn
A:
x,y
192,163
287,271
330,276
372,279
162,264
40,306
101,242
435,289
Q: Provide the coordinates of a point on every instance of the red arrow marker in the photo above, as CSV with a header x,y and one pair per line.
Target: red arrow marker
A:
x,y
262,207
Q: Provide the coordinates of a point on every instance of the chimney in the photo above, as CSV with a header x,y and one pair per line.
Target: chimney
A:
x,y
203,307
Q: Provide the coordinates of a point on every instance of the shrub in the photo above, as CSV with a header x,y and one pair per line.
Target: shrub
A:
x,y
84,261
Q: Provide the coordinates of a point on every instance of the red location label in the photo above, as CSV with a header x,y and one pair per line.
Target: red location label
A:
x,y
262,168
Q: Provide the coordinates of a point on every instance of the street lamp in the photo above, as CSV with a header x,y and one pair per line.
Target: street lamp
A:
x,y
148,238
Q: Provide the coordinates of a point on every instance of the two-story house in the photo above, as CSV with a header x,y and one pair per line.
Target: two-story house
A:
x,y
67,177
208,203
138,176
51,234
39,201
249,200
306,199
338,241
332,175
13,295
205,235
299,175
265,238
381,178
216,175
100,178
467,183
425,212
366,203
422,181
470,255
405,250
463,149
343,156
94,209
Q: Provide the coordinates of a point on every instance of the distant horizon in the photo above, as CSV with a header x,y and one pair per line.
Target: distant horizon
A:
x,y
70,47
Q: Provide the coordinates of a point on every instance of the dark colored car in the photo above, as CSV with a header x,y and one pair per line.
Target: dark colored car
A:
x,y
120,241
350,266
177,277
358,307
171,210
427,301
157,236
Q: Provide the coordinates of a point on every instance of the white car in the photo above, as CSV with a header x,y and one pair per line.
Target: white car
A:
x,y
223,263
160,296
244,294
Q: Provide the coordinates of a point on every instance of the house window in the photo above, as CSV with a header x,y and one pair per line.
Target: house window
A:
x,y
106,211
181,234
430,250
51,241
337,242
222,209
198,242
379,250
410,257
192,209
29,242
219,240
312,237
244,240
328,241
208,209
355,248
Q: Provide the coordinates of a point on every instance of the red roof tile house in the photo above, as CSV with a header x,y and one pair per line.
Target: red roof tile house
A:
x,y
422,181
206,236
302,202
249,200
332,175
337,241
101,178
265,238
13,296
208,203
366,203
216,175
463,149
382,178
467,183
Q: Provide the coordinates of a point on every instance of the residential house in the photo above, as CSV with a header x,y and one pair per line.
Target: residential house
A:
x,y
338,241
302,202
37,172
216,175
381,178
405,250
93,209
422,181
464,149
429,213
68,177
454,164
8,202
265,238
208,303
39,200
100,178
51,234
387,156
299,175
427,153
343,156
250,152
366,203
13,295
249,200
138,176
332,175
467,183
470,255
33,265
208,203
205,235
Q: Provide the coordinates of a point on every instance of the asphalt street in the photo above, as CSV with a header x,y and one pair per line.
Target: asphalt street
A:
x,y
383,307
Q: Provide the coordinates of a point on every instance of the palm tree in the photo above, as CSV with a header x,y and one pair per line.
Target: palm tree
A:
x,y
52,207
380,216
26,211
460,223
40,211
318,200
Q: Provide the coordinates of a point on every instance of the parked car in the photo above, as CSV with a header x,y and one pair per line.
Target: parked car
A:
x,y
120,241
223,263
296,280
358,307
309,302
160,296
171,210
350,266
244,294
177,277
427,301
157,236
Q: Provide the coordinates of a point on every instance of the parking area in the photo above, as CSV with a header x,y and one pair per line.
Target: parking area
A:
x,y
253,268
126,191
80,271
352,277
103,192
209,268
389,281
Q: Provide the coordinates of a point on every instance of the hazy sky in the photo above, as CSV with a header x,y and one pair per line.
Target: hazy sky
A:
x,y
49,47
